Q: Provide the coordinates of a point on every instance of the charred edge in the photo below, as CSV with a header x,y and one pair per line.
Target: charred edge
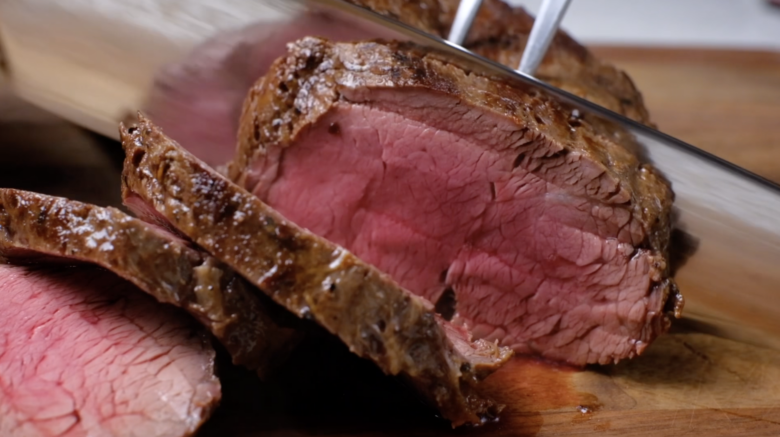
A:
x,y
226,211
138,156
675,302
285,278
13,201
5,227
682,246
42,215
256,129
446,304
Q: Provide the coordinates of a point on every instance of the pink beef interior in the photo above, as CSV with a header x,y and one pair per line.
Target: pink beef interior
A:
x,y
85,353
530,264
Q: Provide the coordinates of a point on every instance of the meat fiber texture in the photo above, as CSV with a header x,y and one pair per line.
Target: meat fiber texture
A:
x,y
84,353
312,277
198,100
547,229
160,263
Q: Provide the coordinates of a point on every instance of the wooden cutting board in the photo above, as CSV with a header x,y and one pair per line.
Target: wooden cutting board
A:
x,y
687,383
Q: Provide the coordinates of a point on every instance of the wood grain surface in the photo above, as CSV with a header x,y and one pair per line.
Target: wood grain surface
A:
x,y
687,383
726,102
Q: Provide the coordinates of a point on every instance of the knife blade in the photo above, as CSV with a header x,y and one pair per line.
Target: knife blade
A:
x,y
730,282
733,216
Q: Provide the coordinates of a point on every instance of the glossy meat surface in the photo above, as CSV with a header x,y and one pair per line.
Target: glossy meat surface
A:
x,y
84,353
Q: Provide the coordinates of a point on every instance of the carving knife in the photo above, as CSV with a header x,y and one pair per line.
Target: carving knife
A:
x,y
731,282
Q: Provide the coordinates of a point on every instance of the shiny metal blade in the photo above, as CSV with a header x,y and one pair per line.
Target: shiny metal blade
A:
x,y
731,282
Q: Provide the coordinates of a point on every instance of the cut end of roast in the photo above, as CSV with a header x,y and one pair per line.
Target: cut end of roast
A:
x,y
552,233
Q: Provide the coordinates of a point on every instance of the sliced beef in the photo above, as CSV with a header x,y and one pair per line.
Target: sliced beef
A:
x,y
198,100
312,277
84,353
548,232
156,261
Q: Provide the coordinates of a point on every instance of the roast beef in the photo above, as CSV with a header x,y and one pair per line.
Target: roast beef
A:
x,y
153,259
198,100
310,276
546,229
84,353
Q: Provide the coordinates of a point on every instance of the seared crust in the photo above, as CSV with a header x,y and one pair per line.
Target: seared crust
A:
x,y
34,224
500,33
312,277
587,158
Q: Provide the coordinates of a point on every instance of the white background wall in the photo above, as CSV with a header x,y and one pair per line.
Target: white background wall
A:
x,y
730,23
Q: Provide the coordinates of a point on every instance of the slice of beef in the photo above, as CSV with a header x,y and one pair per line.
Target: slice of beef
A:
x,y
312,277
156,261
198,100
547,230
85,353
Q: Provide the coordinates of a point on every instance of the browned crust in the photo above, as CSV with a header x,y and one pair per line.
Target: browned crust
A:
x,y
164,268
310,276
316,74
500,32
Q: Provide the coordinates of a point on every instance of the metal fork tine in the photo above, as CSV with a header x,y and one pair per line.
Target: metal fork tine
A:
x,y
467,12
545,26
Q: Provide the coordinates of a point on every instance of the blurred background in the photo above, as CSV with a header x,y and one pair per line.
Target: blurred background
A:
x,y
748,24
